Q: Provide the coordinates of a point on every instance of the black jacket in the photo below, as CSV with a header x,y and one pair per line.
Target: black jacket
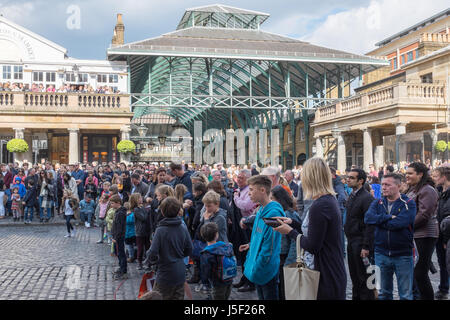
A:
x,y
171,243
198,205
142,222
443,206
30,198
186,180
119,224
354,227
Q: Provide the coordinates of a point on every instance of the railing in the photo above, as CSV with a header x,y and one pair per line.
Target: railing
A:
x,y
63,102
381,96
405,93
217,101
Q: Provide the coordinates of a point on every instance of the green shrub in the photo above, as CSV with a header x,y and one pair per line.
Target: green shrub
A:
x,y
441,146
17,145
125,146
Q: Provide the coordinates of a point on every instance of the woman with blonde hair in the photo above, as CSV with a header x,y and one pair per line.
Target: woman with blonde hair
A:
x,y
162,191
323,237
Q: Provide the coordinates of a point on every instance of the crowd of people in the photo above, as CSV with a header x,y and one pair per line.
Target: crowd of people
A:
x,y
73,88
213,219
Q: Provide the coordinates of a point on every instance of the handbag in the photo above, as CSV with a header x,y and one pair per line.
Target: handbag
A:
x,y
300,282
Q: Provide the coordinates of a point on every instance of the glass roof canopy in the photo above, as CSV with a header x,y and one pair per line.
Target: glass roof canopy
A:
x,y
220,68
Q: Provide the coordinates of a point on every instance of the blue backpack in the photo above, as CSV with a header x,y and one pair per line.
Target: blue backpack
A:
x,y
226,267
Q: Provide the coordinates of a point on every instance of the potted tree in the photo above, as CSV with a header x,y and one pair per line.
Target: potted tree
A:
x,y
125,147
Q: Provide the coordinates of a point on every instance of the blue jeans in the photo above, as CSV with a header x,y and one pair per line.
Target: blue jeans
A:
x,y
49,213
30,216
268,291
403,267
84,215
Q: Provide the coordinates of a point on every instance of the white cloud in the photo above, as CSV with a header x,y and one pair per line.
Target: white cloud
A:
x,y
358,29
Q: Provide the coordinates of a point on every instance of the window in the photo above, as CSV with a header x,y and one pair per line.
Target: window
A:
x,y
302,134
417,53
395,64
70,77
113,78
427,78
38,76
18,72
50,76
403,59
6,72
102,78
410,56
83,77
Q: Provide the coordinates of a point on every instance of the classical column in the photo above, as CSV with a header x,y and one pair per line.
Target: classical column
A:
x,y
19,156
28,156
434,137
73,145
367,148
125,135
319,147
49,145
400,129
341,154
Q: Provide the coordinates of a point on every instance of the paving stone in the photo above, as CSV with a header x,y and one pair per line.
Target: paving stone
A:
x,y
37,260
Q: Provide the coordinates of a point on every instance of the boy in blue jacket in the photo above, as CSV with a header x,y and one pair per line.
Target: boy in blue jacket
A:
x,y
87,210
393,215
263,258
211,270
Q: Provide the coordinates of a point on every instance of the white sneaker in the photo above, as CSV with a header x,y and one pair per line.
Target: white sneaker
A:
x,y
67,235
88,225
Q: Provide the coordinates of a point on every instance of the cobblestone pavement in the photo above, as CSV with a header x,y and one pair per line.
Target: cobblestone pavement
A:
x,y
37,261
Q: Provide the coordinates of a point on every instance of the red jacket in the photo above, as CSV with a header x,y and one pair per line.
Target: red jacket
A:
x,y
8,179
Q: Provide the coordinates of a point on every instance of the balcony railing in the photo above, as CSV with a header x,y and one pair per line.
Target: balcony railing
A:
x,y
63,102
425,94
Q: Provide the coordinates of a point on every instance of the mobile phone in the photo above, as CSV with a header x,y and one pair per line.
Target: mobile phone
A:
x,y
272,222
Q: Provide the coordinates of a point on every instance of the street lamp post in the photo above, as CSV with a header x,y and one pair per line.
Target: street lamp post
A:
x,y
336,133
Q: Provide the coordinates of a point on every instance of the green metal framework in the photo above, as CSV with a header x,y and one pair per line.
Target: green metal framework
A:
x,y
242,90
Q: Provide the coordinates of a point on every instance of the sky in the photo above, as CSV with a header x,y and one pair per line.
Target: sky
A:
x,y
85,27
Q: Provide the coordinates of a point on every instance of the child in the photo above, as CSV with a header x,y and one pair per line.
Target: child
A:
x,y
90,189
29,201
3,199
70,205
171,243
15,205
143,226
87,209
109,222
212,268
130,234
104,189
100,215
118,234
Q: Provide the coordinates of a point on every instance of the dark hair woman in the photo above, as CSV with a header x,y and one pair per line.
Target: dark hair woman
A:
x,y
158,178
426,230
288,252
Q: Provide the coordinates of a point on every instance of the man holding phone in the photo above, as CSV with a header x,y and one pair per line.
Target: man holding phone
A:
x,y
263,258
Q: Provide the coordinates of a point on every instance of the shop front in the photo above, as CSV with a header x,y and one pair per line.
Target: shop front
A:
x,y
101,148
